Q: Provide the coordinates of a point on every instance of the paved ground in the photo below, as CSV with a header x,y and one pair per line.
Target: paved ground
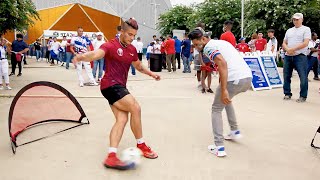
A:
x,y
176,122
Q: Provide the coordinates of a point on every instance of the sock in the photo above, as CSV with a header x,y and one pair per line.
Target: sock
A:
x,y
140,141
112,150
221,148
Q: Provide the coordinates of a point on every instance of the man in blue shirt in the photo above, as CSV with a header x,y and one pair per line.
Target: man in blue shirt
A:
x,y
177,47
186,47
18,47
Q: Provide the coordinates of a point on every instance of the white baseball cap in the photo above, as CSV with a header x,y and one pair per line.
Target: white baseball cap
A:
x,y
297,16
99,34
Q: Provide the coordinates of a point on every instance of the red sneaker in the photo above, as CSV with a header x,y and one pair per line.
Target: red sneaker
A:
x,y
147,152
113,162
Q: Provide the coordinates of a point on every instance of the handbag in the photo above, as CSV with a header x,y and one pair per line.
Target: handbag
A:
x,y
18,57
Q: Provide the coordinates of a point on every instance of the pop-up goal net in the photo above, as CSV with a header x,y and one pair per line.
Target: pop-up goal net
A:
x,y
41,103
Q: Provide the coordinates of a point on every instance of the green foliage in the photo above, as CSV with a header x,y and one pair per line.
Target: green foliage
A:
x,y
175,18
276,14
260,15
215,12
16,14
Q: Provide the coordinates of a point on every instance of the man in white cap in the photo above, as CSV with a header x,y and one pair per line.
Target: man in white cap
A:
x,y
96,45
295,44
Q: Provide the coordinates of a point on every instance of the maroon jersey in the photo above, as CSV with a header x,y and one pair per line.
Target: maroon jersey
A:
x,y
118,60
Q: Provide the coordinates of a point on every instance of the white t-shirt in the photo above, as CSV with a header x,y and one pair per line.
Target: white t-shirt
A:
x,y
295,36
156,49
149,49
312,44
55,47
97,43
272,42
138,45
237,67
49,45
64,44
3,51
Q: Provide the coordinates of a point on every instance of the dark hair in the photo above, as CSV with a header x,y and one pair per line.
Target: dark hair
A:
x,y
201,24
154,36
271,30
152,43
130,22
196,34
64,36
228,22
19,36
50,37
138,38
80,27
169,35
313,33
118,28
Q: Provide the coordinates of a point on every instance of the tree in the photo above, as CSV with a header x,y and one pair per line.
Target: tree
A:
x,y
16,14
175,18
215,12
260,15
276,14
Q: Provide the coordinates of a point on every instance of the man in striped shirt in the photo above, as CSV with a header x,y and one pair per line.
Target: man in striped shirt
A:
x,y
79,45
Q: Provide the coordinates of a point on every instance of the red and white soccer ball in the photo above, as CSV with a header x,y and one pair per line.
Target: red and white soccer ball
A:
x,y
131,154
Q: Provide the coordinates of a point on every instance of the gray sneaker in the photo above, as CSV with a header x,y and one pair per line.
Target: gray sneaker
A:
x,y
287,97
301,100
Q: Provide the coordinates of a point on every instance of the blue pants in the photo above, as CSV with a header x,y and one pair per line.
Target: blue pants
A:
x,y
313,65
62,56
38,54
300,63
133,70
186,64
69,57
97,63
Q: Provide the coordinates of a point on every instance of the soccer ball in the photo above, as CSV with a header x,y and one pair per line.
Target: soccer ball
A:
x,y
131,154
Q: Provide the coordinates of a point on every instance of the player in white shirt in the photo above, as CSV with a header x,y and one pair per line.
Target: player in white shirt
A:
x,y
139,46
96,45
64,43
313,63
79,45
272,44
149,52
4,65
235,78
54,52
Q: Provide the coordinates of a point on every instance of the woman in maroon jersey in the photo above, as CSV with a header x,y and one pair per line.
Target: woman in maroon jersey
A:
x,y
119,54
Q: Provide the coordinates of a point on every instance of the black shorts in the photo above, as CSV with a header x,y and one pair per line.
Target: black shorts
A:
x,y
115,93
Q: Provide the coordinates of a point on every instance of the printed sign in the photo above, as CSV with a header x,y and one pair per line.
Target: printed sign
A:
x,y
68,34
260,80
271,70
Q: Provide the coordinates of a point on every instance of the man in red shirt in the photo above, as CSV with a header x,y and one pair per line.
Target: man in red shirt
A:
x,y
119,53
261,43
243,46
170,53
228,35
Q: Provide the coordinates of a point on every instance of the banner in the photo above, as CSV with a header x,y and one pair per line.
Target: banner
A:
x,y
260,80
68,34
271,69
